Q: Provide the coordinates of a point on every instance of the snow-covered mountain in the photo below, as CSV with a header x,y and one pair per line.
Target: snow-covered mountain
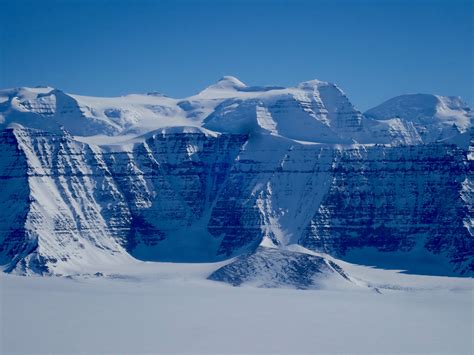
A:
x,y
312,111
435,117
236,171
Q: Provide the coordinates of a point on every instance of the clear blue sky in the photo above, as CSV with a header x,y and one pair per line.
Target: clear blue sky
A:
x,y
372,49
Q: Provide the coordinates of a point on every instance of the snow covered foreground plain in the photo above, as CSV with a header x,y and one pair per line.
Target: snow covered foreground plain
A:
x,y
171,308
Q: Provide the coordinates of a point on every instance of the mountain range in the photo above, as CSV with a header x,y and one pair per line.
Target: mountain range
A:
x,y
279,182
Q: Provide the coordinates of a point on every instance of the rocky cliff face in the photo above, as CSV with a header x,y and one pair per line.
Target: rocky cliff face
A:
x,y
397,200
199,197
70,210
272,267
14,200
270,166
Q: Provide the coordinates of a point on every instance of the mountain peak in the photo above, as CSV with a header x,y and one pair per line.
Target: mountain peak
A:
x,y
419,106
313,84
226,86
228,83
436,117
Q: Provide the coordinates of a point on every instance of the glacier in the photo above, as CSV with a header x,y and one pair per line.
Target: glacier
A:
x,y
276,182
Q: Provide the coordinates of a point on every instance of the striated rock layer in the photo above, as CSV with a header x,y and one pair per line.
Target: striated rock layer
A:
x,y
188,195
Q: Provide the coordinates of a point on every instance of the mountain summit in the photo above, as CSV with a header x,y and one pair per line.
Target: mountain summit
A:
x,y
228,82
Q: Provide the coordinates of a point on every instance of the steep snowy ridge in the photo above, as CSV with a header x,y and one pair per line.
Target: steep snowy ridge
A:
x,y
312,111
75,214
235,171
435,117
52,110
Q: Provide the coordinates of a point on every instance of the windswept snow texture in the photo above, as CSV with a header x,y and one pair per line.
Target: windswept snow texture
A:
x,y
94,183
167,308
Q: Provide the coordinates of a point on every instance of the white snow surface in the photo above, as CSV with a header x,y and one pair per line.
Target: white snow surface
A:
x,y
166,308
435,117
312,111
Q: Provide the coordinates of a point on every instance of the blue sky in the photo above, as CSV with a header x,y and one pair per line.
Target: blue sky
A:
x,y
372,49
